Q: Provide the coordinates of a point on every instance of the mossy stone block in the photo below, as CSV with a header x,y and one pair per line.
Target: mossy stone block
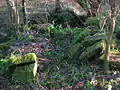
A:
x,y
23,74
27,72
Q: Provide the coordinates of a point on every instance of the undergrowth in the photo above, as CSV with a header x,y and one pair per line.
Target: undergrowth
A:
x,y
74,55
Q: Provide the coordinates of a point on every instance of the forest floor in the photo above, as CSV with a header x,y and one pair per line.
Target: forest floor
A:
x,y
41,45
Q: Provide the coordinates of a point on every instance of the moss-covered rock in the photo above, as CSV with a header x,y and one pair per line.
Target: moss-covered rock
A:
x,y
91,51
23,74
25,67
73,53
73,49
87,50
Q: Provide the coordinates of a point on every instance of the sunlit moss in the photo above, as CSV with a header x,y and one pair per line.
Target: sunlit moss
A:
x,y
30,57
17,59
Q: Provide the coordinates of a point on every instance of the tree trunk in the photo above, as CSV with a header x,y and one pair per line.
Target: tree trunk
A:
x,y
57,6
17,13
107,58
13,11
24,11
108,41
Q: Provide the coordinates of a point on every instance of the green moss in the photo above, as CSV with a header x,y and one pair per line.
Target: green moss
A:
x,y
25,73
30,57
17,59
101,57
73,49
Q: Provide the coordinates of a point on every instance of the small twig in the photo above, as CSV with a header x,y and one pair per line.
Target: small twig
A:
x,y
43,60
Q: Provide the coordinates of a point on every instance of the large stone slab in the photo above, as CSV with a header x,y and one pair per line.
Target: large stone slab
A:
x,y
26,68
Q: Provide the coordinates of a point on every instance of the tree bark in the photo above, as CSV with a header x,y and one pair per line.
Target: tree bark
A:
x,y
108,41
107,58
57,5
24,11
13,11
